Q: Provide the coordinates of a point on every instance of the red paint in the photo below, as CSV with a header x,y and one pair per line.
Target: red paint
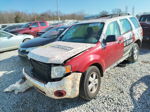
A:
x,y
145,23
33,31
104,56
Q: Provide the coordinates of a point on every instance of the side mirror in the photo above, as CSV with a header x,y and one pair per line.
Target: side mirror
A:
x,y
110,38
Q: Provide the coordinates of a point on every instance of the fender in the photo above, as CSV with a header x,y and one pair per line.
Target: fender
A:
x,y
83,61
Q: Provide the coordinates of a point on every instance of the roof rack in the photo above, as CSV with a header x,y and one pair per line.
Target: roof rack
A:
x,y
105,16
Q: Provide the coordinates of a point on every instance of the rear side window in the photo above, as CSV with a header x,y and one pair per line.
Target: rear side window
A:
x,y
42,24
135,22
126,26
113,29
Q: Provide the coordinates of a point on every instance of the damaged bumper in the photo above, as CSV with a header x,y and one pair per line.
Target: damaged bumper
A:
x,y
68,87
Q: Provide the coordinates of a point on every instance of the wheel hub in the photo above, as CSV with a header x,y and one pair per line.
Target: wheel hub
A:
x,y
135,52
93,82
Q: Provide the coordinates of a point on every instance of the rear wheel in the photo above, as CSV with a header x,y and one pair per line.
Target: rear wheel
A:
x,y
90,83
134,53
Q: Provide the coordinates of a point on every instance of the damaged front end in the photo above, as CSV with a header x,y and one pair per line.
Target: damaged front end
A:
x,y
50,75
67,87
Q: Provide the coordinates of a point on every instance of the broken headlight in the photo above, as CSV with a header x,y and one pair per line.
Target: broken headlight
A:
x,y
60,71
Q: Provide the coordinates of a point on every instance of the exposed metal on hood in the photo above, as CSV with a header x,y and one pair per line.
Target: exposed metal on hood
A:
x,y
63,47
58,52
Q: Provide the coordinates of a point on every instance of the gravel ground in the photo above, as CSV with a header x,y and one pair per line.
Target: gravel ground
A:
x,y
123,89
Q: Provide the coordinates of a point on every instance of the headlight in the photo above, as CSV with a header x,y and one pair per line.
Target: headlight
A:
x,y
60,71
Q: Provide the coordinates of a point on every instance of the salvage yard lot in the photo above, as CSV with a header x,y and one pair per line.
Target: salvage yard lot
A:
x,y
123,89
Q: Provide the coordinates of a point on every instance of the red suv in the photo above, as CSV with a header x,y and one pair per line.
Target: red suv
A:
x,y
31,28
145,23
75,63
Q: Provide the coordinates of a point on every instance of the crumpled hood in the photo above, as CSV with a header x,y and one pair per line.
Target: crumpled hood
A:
x,y
58,52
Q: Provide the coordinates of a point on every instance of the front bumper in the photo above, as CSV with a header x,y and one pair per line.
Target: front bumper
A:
x,y
70,84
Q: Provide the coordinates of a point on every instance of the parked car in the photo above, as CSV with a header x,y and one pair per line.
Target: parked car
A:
x,y
3,26
75,64
10,41
145,23
31,28
44,30
12,27
48,37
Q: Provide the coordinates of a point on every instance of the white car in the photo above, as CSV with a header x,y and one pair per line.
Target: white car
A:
x,y
10,41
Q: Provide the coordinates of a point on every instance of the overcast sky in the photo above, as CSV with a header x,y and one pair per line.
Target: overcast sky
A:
x,y
71,6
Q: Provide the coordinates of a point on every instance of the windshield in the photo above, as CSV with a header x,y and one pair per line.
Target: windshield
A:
x,y
84,33
53,33
26,25
46,29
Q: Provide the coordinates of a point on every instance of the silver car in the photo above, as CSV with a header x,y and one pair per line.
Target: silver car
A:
x,y
10,41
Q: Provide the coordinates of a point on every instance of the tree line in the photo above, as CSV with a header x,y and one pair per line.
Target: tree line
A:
x,y
18,16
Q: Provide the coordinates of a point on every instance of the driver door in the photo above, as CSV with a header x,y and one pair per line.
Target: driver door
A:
x,y
34,28
113,50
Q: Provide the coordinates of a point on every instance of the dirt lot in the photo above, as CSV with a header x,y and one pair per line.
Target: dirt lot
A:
x,y
123,89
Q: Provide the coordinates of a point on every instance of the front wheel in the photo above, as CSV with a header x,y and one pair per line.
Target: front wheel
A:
x,y
90,83
134,53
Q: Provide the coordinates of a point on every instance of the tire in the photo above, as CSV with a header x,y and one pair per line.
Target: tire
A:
x,y
134,53
89,86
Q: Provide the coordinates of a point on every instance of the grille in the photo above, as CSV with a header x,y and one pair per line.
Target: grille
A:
x,y
41,71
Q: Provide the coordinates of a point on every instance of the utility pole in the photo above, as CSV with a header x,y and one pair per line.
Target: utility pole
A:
x,y
126,9
58,10
133,10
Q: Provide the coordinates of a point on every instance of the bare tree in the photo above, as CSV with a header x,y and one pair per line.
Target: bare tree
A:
x,y
17,16
116,11
104,13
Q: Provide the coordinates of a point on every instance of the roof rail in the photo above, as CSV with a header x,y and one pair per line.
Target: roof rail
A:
x,y
105,16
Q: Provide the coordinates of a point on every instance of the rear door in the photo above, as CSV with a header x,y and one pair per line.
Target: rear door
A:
x,y
137,30
145,23
128,35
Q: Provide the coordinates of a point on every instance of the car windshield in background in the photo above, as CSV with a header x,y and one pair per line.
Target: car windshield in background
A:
x,y
12,27
46,29
26,25
84,33
53,33
145,18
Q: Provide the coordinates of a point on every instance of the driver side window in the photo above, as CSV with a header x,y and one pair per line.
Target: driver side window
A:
x,y
113,29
